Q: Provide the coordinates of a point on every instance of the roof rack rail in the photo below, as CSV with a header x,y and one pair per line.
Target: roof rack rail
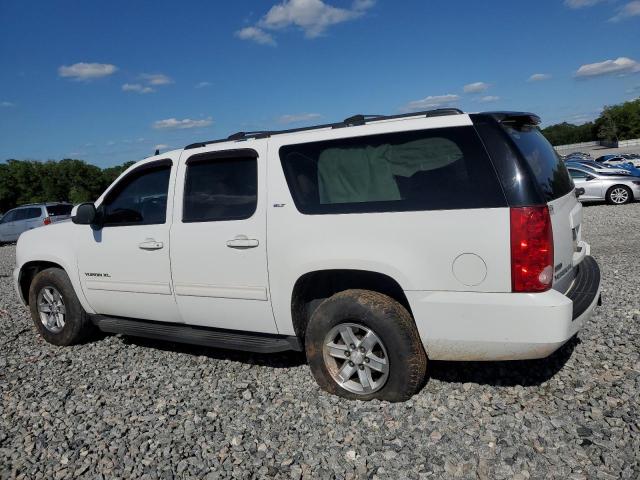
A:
x,y
353,121
360,119
243,135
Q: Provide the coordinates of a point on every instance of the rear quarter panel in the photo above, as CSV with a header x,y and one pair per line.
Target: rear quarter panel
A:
x,y
417,249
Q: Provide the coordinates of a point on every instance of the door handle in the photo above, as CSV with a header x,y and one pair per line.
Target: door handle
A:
x,y
150,244
242,241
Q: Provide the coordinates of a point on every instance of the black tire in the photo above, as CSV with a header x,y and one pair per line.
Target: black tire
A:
x,y
77,325
615,188
390,321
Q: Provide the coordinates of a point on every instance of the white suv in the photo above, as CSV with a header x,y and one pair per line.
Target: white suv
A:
x,y
372,244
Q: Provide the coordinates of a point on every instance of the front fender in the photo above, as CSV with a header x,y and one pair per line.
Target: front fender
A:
x,y
52,244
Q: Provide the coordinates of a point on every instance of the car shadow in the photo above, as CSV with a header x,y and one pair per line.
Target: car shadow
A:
x,y
525,373
274,360
503,373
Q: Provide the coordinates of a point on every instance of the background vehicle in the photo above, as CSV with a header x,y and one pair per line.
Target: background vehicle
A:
x,y
578,156
614,189
618,160
369,244
26,217
598,167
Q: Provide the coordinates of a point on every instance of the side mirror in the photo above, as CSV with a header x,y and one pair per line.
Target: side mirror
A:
x,y
579,191
589,177
84,214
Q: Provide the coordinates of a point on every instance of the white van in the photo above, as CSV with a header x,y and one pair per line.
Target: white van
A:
x,y
372,244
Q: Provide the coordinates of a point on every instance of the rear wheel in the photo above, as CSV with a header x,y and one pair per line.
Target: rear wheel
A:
x,y
56,310
364,345
619,195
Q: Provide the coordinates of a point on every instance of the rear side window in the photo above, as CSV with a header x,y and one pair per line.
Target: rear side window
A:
x,y
548,169
59,210
28,213
220,189
140,198
437,169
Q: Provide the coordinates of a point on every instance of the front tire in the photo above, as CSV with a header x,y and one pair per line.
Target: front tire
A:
x,y
364,345
619,195
56,310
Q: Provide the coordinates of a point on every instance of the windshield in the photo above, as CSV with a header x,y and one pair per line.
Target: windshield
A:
x,y
549,171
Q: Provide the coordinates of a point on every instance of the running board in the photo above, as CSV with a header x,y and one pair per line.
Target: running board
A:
x,y
208,337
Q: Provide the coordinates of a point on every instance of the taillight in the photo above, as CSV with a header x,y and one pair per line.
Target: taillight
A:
x,y
531,249
46,221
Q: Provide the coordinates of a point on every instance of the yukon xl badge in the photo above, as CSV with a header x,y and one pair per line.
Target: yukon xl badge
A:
x,y
91,274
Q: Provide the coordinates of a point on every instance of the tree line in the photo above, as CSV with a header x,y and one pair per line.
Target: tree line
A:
x,y
68,180
616,122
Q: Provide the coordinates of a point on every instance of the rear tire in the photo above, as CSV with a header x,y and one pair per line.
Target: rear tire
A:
x,y
619,195
56,310
364,345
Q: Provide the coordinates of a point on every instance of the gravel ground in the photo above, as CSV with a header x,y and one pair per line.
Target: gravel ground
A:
x,y
127,408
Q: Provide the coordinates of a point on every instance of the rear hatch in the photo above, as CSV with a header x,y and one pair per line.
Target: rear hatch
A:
x,y
557,189
60,212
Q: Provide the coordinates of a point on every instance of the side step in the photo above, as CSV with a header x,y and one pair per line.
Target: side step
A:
x,y
208,337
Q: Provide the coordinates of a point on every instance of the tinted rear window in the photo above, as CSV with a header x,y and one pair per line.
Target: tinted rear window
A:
x,y
437,169
57,210
548,169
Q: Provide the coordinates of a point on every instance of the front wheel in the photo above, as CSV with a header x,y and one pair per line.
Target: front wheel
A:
x,y
364,345
56,310
619,195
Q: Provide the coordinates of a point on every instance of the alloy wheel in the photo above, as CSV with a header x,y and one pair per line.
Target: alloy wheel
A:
x,y
619,195
51,309
356,358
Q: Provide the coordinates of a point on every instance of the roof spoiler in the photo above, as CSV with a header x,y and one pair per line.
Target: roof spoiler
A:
x,y
520,118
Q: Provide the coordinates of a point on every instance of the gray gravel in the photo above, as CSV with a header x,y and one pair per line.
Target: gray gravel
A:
x,y
128,408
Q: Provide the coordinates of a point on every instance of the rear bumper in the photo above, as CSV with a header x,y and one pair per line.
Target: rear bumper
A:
x,y
504,326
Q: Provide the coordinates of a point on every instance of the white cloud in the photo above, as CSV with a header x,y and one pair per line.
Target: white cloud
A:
x,y
87,71
156,79
620,65
581,3
435,101
488,98
203,84
476,87
136,87
172,123
257,35
295,118
7,104
539,77
631,9
313,17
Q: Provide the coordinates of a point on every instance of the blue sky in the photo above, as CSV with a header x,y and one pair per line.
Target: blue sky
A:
x,y
107,81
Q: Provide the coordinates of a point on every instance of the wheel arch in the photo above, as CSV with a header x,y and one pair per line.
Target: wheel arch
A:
x,y
311,288
29,270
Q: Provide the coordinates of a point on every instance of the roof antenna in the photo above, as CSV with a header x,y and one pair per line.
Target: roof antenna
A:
x,y
157,151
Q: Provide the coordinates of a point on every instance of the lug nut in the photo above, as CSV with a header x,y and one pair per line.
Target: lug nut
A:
x,y
352,346
347,353
366,360
361,367
351,363
362,349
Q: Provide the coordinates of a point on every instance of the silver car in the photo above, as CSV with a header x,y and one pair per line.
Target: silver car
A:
x,y
615,189
26,217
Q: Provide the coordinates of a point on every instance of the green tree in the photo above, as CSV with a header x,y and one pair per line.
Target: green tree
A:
x,y
26,181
